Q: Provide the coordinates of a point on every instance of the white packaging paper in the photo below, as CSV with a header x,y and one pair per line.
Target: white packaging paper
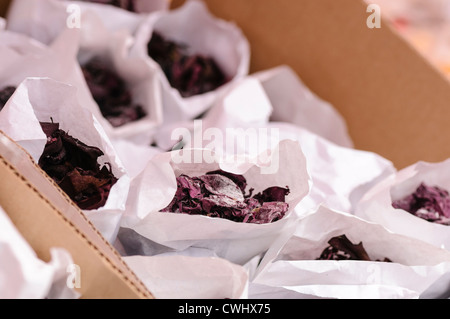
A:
x,y
186,277
193,25
240,123
155,188
73,46
294,272
44,20
134,157
24,57
43,100
376,205
140,79
293,102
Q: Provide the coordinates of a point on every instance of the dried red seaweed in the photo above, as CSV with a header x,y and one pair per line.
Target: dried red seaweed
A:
x,y
111,94
429,203
124,4
5,95
190,74
221,194
73,166
341,248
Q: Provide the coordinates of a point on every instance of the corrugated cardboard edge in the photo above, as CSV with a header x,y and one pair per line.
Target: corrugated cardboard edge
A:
x,y
113,274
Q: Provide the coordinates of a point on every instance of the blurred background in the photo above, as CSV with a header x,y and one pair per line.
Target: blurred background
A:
x,y
425,24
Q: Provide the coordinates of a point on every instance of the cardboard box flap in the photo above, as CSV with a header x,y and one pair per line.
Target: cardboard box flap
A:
x,y
47,218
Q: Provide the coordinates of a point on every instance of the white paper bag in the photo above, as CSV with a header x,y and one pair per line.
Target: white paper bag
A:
x,y
154,189
142,81
24,57
134,157
43,100
294,272
376,205
45,19
193,25
93,38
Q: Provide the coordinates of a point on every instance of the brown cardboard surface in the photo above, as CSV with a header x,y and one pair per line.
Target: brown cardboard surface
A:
x,y
104,275
395,102
3,7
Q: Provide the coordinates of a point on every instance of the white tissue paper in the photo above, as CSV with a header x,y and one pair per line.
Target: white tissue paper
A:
x,y
194,26
243,122
44,20
74,47
154,189
293,102
134,157
44,100
111,50
376,205
24,57
294,272
190,277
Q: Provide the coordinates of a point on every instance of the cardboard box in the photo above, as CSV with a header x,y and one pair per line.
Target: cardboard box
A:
x,y
395,103
47,218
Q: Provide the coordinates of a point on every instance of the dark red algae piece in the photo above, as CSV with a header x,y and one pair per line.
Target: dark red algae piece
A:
x,y
124,4
190,74
341,248
5,95
429,203
222,195
73,166
111,94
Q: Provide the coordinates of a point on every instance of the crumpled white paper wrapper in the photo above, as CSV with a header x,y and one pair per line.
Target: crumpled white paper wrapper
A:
x,y
24,57
190,277
23,275
155,188
134,157
43,20
293,272
376,205
94,38
293,102
341,175
193,25
42,99
141,80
